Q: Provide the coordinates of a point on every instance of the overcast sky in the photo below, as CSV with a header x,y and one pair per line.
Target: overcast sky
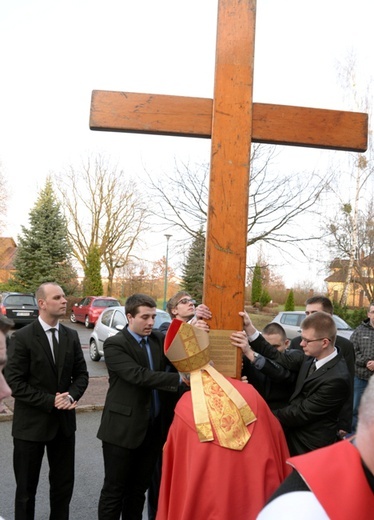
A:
x,y
55,52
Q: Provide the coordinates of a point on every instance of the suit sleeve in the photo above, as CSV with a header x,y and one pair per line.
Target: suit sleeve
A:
x,y
290,359
121,361
277,372
328,397
25,385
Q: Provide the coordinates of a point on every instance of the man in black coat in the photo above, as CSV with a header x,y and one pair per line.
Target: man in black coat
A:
x,y
130,427
346,348
46,383
322,386
272,381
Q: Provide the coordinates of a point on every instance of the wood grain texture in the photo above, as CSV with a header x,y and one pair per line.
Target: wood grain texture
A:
x,y
192,117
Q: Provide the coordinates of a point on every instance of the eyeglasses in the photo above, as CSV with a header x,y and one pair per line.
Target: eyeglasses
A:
x,y
183,301
311,340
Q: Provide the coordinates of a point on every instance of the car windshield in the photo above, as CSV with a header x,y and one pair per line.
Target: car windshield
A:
x,y
17,299
105,303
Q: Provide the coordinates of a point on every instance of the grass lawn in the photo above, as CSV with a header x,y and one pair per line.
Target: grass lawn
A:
x,y
260,320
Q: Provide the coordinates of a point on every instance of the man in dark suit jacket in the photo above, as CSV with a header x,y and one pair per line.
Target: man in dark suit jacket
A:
x,y
322,303
46,383
272,381
322,386
130,426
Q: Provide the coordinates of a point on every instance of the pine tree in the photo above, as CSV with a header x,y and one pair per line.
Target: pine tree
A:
x,y
43,252
193,270
265,298
92,283
290,302
256,285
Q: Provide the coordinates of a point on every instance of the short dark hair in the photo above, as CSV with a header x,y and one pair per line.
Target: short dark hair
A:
x,y
137,300
322,323
172,303
275,328
324,301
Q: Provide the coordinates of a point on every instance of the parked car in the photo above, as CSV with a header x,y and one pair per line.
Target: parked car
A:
x,y
291,322
109,323
89,309
22,308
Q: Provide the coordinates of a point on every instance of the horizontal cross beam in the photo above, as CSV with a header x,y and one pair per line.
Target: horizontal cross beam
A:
x,y
192,117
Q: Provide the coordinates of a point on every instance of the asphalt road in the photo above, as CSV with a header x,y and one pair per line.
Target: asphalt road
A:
x,y
88,473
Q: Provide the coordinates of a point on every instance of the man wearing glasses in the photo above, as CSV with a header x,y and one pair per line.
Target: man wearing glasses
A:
x,y
345,346
183,307
322,386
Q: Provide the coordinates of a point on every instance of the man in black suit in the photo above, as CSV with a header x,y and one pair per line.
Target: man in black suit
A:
x,y
322,386
5,325
130,427
322,303
47,380
272,381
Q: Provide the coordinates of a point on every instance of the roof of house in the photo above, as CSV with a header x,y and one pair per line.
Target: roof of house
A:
x,y
8,250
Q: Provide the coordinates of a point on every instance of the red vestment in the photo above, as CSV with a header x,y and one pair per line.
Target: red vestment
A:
x,y
205,481
335,476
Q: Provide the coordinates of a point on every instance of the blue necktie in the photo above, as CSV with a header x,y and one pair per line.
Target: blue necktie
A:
x,y
155,408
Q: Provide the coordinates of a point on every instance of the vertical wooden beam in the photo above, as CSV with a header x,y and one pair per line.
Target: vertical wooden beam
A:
x,y
225,263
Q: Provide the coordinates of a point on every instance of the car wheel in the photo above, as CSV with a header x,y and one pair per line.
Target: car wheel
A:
x,y
73,319
94,353
87,322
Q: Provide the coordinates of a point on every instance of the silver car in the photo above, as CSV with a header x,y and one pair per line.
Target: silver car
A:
x,y
111,321
291,322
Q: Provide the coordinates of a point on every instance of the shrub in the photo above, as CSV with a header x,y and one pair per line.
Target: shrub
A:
x,y
264,298
290,302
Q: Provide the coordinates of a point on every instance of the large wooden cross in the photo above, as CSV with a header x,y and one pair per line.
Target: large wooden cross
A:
x,y
232,122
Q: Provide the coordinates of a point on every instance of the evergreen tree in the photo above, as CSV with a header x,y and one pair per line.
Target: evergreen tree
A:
x,y
43,252
193,270
290,302
92,283
256,285
265,298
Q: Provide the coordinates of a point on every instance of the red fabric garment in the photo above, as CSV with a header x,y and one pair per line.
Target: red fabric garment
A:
x,y
204,481
335,475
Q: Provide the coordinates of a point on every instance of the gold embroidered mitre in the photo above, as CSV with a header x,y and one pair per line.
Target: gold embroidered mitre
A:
x,y
215,401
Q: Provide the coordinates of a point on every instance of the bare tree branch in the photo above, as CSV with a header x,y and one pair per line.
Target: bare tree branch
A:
x,y
275,202
105,209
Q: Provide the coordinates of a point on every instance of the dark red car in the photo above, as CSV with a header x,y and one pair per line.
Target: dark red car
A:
x,y
89,309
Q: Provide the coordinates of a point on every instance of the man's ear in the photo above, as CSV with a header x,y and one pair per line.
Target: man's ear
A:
x,y
287,343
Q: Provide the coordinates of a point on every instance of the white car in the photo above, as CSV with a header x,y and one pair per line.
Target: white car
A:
x,y
291,322
111,321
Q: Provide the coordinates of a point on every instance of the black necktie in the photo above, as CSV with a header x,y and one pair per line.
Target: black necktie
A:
x,y
312,368
155,408
55,344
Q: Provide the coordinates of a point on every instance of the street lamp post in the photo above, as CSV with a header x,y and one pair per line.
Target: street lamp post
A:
x,y
166,270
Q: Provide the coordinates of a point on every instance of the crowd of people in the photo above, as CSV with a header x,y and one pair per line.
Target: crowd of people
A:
x,y
291,436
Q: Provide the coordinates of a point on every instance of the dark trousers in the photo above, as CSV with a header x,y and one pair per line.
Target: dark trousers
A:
x,y
27,461
128,474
